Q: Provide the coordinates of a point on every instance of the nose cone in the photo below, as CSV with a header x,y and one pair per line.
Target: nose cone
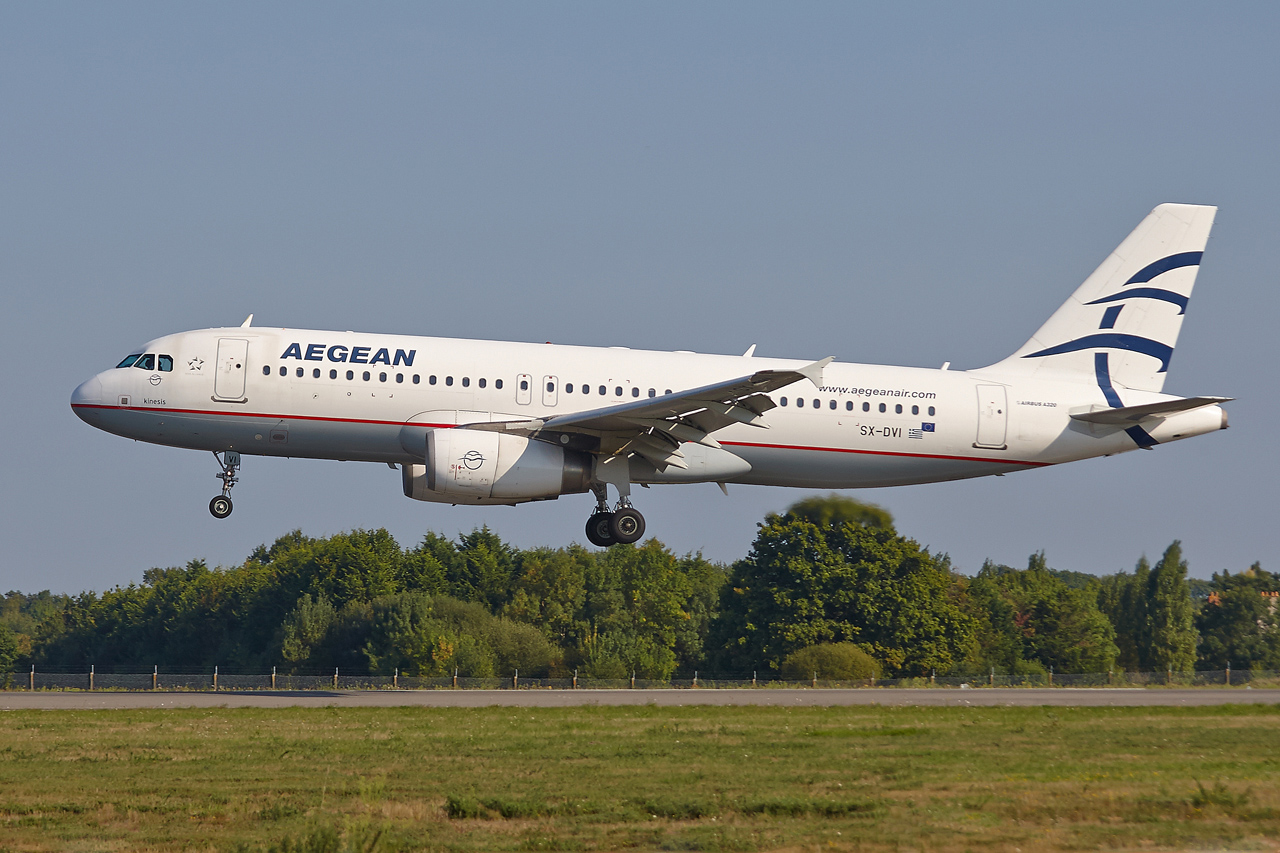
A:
x,y
85,399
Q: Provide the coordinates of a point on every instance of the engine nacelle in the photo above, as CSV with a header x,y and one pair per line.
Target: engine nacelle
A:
x,y
484,466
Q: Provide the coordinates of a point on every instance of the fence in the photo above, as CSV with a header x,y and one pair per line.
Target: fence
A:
x,y
215,680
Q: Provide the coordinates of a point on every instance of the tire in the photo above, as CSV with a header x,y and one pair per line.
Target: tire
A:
x,y
598,529
627,526
220,507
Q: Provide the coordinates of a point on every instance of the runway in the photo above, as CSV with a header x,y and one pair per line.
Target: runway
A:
x,y
1092,697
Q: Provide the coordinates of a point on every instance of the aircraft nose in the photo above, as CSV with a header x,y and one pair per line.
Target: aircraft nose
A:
x,y
88,393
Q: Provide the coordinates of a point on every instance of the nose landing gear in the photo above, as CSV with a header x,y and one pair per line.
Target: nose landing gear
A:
x,y
621,526
229,460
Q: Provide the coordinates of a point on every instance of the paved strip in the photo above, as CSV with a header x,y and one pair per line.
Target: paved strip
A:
x,y
1092,697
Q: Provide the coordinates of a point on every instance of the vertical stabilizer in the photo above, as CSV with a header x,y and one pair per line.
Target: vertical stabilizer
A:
x,y
1122,324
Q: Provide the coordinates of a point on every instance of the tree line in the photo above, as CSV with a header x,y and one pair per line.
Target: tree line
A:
x,y
829,586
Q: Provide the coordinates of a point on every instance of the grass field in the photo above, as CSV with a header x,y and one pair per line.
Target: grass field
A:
x,y
866,778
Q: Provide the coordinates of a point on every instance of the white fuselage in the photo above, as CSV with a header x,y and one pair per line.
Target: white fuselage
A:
x,y
316,394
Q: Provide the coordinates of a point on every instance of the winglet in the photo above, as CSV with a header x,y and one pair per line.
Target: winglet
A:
x,y
813,372
751,350
248,321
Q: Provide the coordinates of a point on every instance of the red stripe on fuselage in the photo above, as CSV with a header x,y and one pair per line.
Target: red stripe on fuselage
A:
x,y
264,415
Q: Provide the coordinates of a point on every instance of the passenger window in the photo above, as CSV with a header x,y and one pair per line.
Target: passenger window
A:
x,y
833,405
399,378
147,362
351,374
431,380
551,387
299,372
382,377
617,391
799,402
817,404
481,382
653,392
366,376
448,380
866,407
668,391
166,363
129,360
897,409
915,410
497,383
848,407
266,370
568,388
931,411
333,374
883,407
524,384
415,379
602,391
466,382
315,374
783,401
284,371
635,392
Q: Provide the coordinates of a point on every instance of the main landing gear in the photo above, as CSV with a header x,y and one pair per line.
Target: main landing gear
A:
x,y
621,526
229,460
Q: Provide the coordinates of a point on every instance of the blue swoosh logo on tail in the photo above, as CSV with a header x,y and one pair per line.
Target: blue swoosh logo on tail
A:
x,y
1113,340
1147,293
1173,262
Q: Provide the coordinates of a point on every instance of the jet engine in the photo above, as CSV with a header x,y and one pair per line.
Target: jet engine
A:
x,y
487,467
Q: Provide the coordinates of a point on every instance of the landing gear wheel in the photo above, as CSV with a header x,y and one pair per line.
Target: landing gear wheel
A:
x,y
598,529
220,506
627,525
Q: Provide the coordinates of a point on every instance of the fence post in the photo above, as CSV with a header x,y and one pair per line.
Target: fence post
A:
x,y
991,679
695,678
215,678
335,678
633,679
515,680
273,678
575,678
933,675
155,677
90,676
1168,676
1108,678
1228,673
395,679
33,676
753,678
815,678
455,677
1050,675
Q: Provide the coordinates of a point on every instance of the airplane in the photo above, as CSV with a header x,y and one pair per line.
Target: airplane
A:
x,y
489,422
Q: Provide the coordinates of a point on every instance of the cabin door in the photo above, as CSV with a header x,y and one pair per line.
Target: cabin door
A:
x,y
228,379
993,418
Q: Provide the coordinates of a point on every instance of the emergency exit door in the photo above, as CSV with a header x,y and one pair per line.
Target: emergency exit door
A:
x,y
228,379
993,417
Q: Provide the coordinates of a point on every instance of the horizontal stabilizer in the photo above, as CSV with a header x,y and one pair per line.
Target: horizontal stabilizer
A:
x,y
1129,415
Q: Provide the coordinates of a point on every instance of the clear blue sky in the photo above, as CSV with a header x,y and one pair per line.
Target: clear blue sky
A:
x,y
893,183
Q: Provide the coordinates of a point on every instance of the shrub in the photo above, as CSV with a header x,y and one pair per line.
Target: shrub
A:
x,y
839,661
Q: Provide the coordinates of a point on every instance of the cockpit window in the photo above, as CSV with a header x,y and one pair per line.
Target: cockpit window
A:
x,y
146,362
166,363
129,360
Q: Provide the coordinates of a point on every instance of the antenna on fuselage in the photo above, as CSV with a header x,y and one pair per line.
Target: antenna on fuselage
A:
x,y
248,321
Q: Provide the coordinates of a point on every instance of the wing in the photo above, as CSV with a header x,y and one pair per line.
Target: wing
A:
x,y
656,427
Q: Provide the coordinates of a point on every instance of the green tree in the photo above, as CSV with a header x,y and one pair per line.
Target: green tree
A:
x,y
842,661
1239,626
803,584
1034,619
1173,635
